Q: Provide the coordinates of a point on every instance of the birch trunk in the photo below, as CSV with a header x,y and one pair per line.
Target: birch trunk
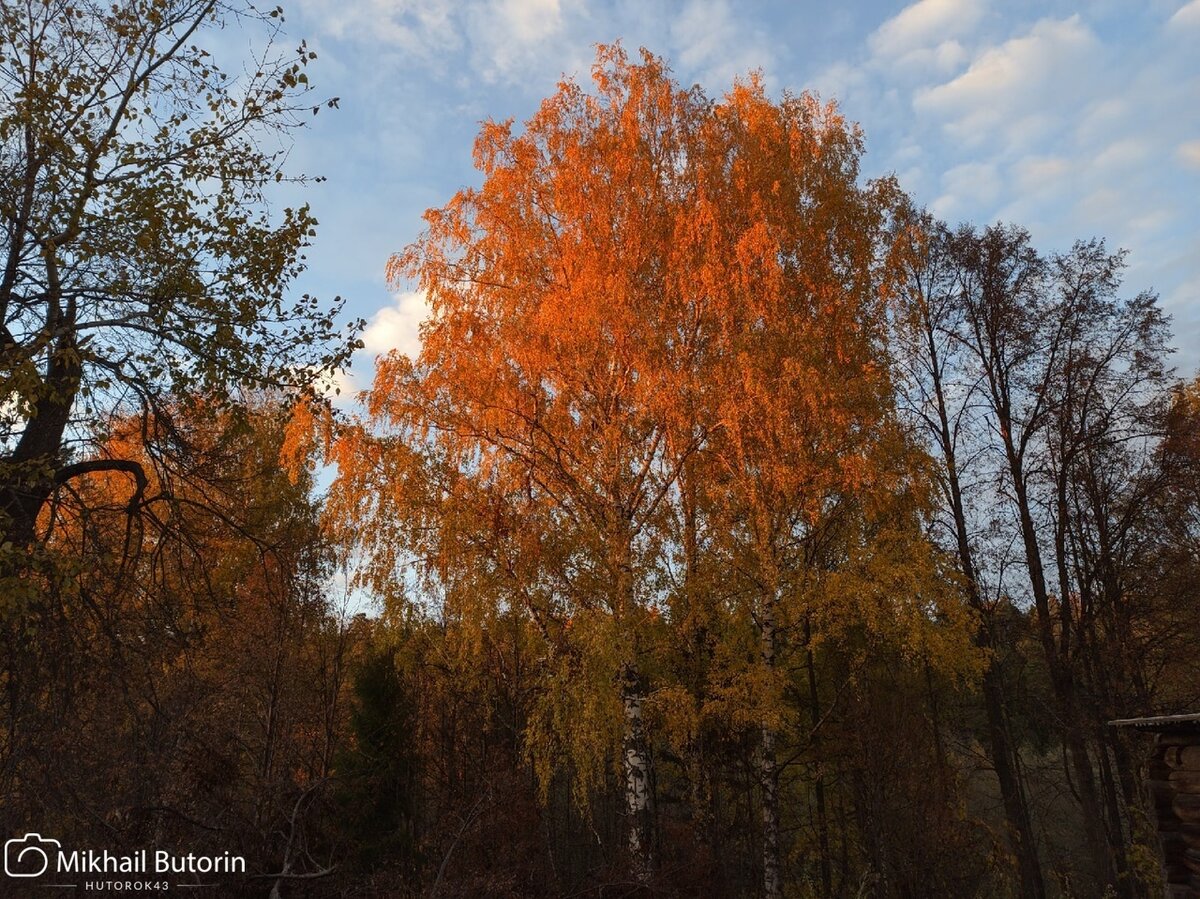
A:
x,y
637,777
636,753
769,779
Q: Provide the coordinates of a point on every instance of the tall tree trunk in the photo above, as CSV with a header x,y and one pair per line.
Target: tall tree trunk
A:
x,y
635,749
28,474
768,763
1071,722
1016,809
1003,752
638,807
814,698
1088,793
1118,831
696,619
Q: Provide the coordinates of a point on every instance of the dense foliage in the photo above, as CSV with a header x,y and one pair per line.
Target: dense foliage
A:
x,y
738,530
139,259
801,544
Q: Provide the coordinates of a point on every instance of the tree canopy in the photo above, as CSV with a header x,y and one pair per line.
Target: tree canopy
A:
x,y
739,529
141,259
658,312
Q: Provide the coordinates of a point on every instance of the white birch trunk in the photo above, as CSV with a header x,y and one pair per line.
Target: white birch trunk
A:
x,y
636,754
637,778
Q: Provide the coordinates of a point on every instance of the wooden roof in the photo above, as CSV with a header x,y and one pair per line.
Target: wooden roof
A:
x,y
1189,722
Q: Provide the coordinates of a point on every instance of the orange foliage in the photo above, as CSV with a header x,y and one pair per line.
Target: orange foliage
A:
x,y
652,300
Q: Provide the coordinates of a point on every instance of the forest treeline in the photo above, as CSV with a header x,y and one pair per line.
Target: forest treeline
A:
x,y
740,529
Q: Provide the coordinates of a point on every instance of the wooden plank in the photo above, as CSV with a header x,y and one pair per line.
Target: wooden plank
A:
x,y
1182,757
1187,808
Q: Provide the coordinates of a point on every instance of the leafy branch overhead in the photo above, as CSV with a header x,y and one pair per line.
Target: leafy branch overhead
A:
x,y
141,253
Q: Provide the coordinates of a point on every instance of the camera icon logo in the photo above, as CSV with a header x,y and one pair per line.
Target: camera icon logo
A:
x,y
28,856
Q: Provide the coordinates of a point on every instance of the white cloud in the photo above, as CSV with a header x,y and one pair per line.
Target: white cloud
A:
x,y
715,43
394,327
926,24
966,186
1039,174
397,327
417,27
1014,87
841,81
340,388
531,20
510,38
501,38
1144,227
1122,154
1187,16
1186,295
1103,117
1189,154
945,57
1104,204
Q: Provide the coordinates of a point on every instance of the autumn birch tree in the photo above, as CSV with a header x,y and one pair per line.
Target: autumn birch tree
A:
x,y
559,333
655,310
805,395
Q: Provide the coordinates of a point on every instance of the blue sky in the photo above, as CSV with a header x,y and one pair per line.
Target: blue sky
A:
x,y
1072,119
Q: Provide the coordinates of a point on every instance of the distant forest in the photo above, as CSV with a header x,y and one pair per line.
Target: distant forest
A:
x,y
741,529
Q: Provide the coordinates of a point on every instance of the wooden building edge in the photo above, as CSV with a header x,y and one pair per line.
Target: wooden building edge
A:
x,y
1174,780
